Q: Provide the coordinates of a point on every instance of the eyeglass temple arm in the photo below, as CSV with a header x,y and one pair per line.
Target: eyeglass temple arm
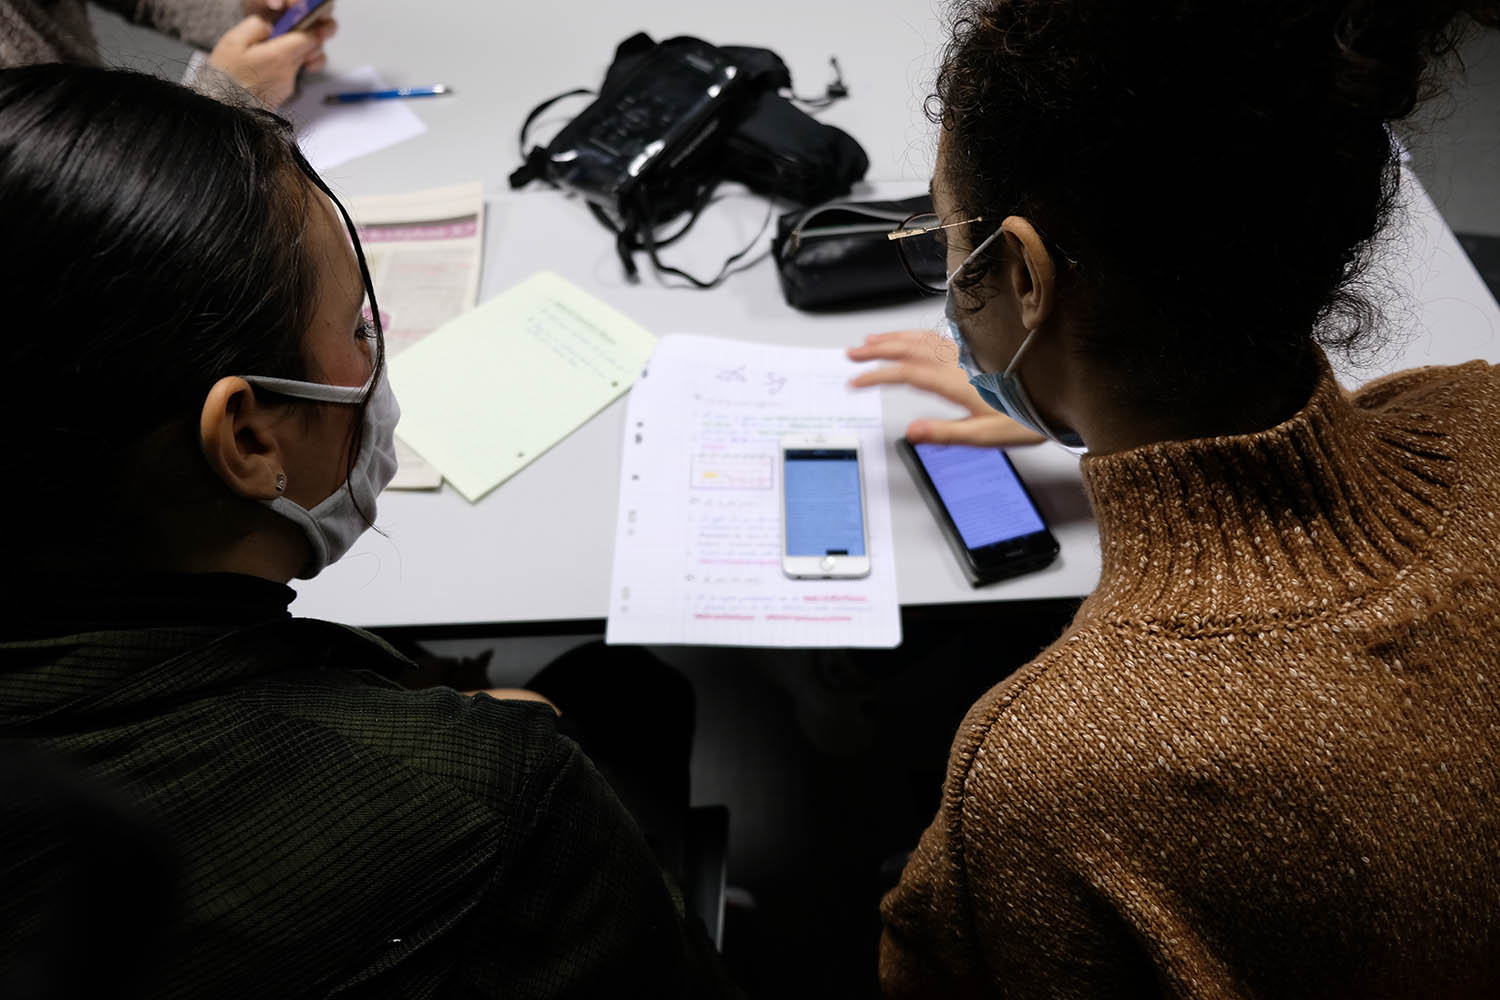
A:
x,y
901,234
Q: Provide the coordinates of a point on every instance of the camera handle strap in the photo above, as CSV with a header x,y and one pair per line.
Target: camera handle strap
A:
x,y
533,161
729,268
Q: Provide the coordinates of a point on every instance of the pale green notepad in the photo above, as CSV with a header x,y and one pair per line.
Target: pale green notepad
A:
x,y
484,395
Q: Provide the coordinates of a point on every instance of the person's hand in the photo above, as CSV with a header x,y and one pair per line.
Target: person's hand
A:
x,y
271,10
267,67
927,360
516,694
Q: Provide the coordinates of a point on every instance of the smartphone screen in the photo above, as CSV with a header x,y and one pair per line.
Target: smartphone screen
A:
x,y
824,513
294,15
981,492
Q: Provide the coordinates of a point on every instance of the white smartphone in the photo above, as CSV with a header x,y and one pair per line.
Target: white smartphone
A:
x,y
824,531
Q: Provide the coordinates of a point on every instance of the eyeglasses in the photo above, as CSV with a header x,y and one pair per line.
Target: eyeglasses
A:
x,y
922,244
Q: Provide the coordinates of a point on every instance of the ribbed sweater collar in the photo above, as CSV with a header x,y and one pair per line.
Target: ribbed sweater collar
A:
x,y
1276,525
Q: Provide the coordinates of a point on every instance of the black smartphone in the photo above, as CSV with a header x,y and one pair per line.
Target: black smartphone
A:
x,y
985,511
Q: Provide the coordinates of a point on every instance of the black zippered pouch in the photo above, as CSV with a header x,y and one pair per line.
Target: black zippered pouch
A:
x,y
837,256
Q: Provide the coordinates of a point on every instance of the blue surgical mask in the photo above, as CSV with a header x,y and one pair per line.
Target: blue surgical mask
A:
x,y
332,526
1003,391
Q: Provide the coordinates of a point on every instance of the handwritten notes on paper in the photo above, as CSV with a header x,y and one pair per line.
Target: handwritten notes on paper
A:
x,y
487,393
698,542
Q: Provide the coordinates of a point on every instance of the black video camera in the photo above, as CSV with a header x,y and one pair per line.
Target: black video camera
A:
x,y
674,119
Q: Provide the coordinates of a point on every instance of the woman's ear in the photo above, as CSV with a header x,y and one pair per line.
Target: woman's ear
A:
x,y
238,437
1031,273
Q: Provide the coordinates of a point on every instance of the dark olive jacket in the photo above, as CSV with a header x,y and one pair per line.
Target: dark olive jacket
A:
x,y
335,834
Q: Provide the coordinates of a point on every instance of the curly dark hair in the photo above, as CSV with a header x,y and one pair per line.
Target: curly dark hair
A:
x,y
1217,169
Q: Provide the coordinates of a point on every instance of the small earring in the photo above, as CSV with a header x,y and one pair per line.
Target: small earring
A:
x,y
281,482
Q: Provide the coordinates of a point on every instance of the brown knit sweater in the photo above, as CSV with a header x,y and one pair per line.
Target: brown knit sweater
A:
x,y
1265,758
36,31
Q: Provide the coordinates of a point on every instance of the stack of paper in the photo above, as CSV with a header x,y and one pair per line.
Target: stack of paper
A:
x,y
698,543
490,392
424,251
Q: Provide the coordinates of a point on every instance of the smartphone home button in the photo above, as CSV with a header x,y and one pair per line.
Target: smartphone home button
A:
x,y
827,564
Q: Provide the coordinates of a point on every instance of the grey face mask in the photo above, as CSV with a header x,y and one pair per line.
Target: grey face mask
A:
x,y
332,527
1003,391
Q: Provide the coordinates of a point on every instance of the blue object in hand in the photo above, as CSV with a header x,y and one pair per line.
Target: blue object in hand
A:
x,y
295,16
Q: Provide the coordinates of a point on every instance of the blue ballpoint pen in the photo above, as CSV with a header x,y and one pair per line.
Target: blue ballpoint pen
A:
x,y
356,96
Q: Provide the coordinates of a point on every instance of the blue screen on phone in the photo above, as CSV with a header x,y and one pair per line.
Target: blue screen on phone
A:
x,y
824,514
981,492
294,15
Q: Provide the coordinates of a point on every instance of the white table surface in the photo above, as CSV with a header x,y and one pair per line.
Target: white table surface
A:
x,y
538,549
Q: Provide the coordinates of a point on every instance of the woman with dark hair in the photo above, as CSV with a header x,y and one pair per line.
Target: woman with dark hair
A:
x,y
238,33
195,386
1263,760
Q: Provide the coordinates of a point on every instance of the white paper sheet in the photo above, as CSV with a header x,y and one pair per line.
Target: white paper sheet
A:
x,y
491,391
424,250
333,134
698,542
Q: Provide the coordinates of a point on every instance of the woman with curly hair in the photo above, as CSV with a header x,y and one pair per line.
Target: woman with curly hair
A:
x,y
1263,760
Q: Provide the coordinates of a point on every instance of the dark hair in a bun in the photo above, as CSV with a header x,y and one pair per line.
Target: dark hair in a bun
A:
x,y
1386,49
1218,169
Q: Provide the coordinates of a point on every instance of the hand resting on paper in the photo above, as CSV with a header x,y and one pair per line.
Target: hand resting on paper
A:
x,y
929,361
267,67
